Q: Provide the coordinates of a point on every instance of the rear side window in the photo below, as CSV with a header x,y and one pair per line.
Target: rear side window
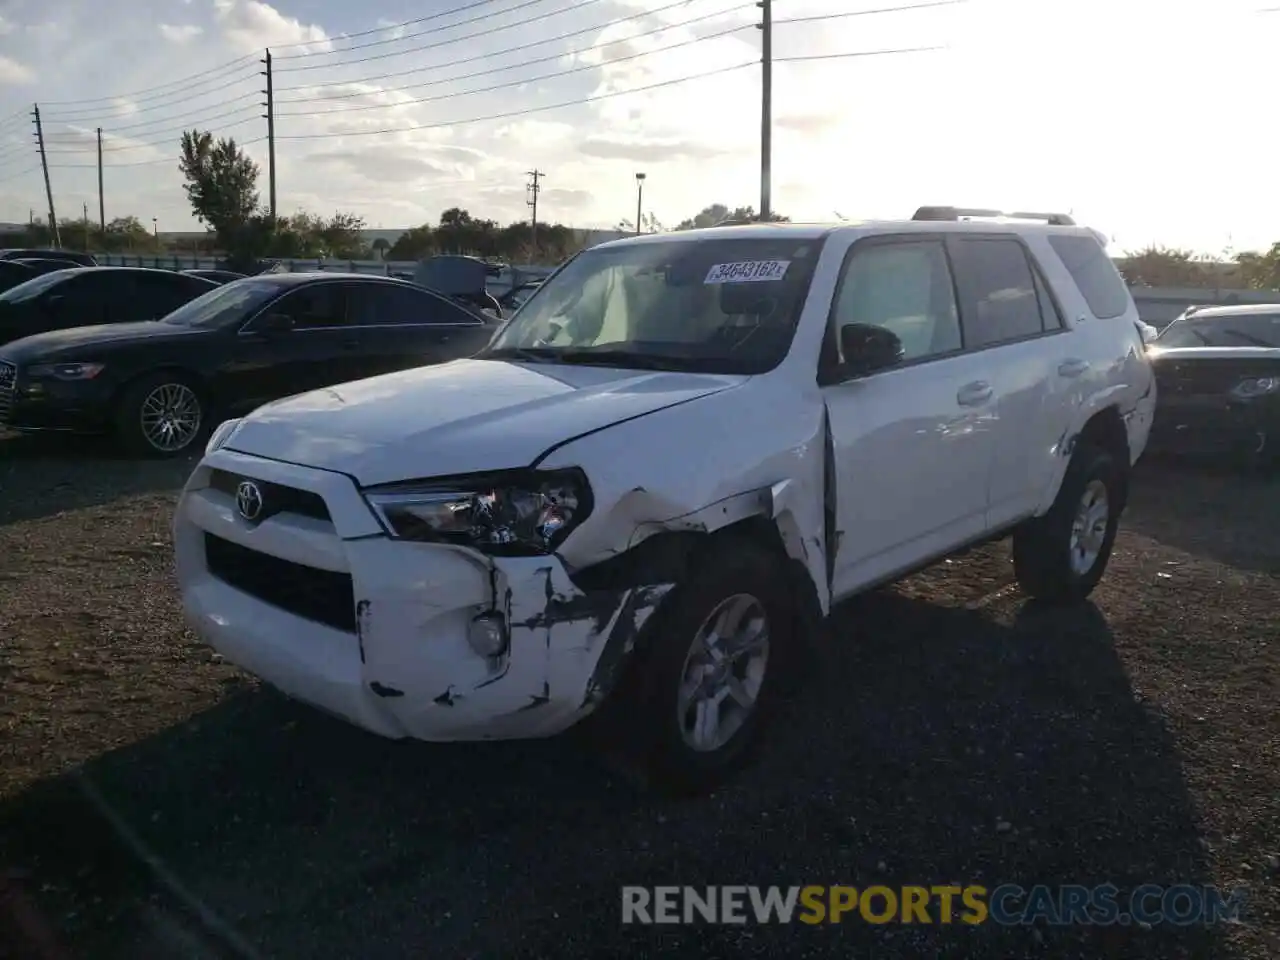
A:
x,y
386,304
998,302
1094,273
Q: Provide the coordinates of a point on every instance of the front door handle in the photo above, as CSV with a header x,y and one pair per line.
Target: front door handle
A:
x,y
1072,368
974,394
350,344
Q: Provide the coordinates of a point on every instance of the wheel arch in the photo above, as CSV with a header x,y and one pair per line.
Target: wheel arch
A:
x,y
1103,428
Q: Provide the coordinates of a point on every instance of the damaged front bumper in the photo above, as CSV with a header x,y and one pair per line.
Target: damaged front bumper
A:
x,y
400,662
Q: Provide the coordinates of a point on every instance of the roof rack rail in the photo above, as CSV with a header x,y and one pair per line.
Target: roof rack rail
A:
x,y
730,222
959,213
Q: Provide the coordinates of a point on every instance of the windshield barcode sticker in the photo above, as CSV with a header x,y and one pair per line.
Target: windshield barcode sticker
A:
x,y
747,271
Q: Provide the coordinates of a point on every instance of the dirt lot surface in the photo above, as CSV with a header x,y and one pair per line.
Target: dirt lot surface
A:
x,y
156,803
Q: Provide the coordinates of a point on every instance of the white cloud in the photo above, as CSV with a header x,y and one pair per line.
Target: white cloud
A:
x,y
1029,105
13,73
181,33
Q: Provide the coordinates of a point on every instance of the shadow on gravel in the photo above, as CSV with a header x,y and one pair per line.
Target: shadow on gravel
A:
x,y
41,475
936,745
1226,515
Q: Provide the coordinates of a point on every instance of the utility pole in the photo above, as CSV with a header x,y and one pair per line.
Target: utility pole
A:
x,y
48,189
270,116
534,176
639,202
766,107
102,206
85,207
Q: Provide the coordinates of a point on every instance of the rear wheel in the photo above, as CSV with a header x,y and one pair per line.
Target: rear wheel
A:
x,y
162,415
1062,556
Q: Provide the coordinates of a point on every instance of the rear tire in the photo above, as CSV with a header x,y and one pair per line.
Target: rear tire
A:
x,y
161,415
1061,556
711,668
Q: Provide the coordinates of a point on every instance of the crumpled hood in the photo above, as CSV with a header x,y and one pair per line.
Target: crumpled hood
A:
x,y
467,416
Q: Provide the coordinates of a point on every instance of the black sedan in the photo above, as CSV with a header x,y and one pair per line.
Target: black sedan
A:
x,y
217,276
81,296
160,385
1218,381
72,256
13,273
40,265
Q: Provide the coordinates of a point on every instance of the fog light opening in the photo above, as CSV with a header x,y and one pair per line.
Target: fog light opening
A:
x,y
488,635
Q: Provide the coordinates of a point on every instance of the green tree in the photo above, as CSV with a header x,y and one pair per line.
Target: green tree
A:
x,y
1260,271
1158,266
222,186
716,212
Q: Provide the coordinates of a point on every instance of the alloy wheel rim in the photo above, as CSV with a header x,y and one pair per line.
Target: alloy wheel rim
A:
x,y
723,673
170,417
1089,528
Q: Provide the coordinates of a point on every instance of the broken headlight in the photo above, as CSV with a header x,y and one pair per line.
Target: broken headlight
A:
x,y
528,512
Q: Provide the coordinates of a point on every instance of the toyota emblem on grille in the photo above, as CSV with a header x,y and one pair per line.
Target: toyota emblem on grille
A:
x,y
249,500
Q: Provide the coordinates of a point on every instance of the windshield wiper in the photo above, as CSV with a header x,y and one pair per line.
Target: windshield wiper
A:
x,y
624,358
528,354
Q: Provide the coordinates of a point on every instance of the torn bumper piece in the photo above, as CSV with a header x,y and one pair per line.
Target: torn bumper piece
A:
x,y
409,667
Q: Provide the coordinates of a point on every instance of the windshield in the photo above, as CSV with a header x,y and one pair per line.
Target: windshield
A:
x,y
30,289
1243,330
714,305
224,306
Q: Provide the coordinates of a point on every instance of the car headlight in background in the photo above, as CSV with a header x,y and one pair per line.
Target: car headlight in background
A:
x,y
222,434
519,513
64,371
1256,387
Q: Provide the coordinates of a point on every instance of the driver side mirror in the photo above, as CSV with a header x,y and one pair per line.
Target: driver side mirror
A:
x,y
274,323
868,348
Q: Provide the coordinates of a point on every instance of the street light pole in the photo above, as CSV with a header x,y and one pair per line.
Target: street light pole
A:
x,y
639,200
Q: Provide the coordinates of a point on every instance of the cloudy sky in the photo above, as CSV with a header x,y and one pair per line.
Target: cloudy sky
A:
x,y
1107,109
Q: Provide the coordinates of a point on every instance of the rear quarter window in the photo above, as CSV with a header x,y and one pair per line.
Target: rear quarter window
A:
x,y
1093,272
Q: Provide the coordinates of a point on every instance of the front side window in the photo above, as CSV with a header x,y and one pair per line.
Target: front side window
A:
x,y
716,305
904,287
316,307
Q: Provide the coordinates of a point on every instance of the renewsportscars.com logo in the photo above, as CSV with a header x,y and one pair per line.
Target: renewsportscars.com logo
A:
x,y
1006,905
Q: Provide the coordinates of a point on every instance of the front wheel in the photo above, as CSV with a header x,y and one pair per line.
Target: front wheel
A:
x,y
697,702
1062,556
161,416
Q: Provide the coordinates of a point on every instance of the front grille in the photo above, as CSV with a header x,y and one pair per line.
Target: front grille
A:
x,y
322,596
275,498
8,384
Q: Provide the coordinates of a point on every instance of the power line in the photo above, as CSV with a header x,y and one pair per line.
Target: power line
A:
x,y
391,26
21,173
139,163
421,33
866,13
146,93
147,127
511,114
445,43
174,98
497,53
515,83
529,63
83,146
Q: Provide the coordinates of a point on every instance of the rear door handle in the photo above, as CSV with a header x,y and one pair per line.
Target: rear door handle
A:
x,y
974,394
1072,368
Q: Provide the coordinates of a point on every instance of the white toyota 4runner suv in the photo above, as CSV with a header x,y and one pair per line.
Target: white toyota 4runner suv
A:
x,y
662,473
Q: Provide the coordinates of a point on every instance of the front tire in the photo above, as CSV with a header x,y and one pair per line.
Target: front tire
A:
x,y
712,664
1061,556
162,415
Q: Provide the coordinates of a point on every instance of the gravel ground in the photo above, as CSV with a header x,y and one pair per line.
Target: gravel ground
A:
x,y
154,802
